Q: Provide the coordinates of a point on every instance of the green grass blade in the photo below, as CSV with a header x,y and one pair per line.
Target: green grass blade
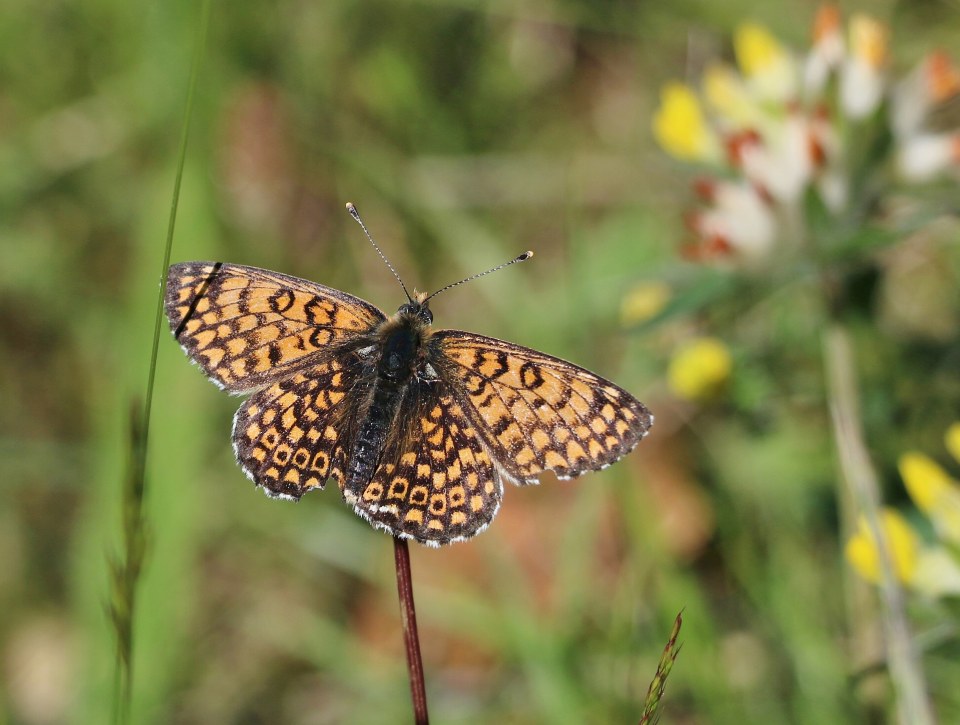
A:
x,y
125,572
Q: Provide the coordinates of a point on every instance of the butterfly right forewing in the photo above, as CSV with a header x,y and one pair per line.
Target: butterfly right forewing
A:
x,y
538,412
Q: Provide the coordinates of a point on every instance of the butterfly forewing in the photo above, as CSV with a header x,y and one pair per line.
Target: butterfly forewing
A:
x,y
247,327
435,482
537,412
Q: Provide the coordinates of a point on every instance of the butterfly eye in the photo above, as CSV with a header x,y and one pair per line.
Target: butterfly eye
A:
x,y
416,310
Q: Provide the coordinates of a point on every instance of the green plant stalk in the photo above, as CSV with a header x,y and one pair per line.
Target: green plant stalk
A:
x,y
125,574
903,661
651,706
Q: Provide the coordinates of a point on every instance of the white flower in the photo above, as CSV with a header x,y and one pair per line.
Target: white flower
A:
x,y
924,156
862,81
739,222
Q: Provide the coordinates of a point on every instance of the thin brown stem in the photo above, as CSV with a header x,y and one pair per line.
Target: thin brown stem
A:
x,y
411,637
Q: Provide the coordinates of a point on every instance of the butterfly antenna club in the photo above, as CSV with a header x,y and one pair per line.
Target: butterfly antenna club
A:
x,y
522,258
356,215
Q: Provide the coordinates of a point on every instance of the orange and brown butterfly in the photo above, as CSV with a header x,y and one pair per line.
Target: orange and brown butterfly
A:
x,y
419,427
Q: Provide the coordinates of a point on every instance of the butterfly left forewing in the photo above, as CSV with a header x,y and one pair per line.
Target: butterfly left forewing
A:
x,y
435,481
248,327
537,412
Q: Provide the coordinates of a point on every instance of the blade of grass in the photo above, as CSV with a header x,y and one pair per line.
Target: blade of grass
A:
x,y
411,637
125,573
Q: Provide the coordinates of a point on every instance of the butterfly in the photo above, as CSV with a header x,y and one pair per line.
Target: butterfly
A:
x,y
419,427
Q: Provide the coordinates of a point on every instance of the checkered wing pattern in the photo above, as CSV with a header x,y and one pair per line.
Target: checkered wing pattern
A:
x,y
247,328
536,412
436,482
295,434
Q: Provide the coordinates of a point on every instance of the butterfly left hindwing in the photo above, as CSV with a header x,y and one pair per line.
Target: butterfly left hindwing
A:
x,y
296,434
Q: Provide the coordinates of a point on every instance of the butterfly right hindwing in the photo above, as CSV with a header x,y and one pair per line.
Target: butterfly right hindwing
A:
x,y
435,481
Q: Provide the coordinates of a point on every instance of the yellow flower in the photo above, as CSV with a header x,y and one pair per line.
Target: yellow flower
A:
x,y
699,369
868,39
679,125
934,492
768,66
926,481
645,301
725,92
952,440
902,545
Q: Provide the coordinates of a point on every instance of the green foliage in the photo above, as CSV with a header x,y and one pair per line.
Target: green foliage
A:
x,y
465,132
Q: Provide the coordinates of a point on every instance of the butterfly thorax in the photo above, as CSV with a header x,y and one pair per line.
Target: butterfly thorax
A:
x,y
401,350
400,341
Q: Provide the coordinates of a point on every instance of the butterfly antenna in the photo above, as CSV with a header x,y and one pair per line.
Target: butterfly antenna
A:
x,y
356,215
522,258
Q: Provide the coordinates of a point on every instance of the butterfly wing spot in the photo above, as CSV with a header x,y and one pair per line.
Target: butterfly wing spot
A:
x,y
373,492
540,438
418,496
399,487
281,454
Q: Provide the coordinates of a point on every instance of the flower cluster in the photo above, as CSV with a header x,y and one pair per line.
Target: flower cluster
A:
x,y
931,569
782,126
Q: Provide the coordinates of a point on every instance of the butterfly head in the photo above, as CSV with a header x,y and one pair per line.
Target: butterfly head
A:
x,y
417,308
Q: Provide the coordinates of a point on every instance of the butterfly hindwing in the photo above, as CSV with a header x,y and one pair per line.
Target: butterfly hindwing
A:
x,y
247,327
294,435
435,481
537,412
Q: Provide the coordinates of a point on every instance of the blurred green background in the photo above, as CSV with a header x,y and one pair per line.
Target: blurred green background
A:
x,y
465,132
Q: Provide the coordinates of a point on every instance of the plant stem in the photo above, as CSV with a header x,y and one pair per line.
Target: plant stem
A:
x,y
651,706
125,574
411,637
906,673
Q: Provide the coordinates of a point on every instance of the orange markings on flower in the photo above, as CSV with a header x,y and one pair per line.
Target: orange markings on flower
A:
x,y
943,77
826,23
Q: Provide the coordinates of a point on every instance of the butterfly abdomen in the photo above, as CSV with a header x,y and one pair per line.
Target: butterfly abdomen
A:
x,y
400,342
